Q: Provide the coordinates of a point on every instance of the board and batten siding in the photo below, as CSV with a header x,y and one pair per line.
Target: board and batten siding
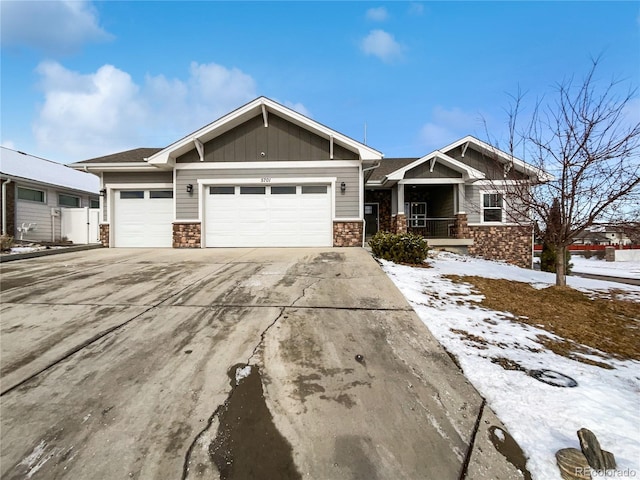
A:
x,y
347,203
281,140
439,171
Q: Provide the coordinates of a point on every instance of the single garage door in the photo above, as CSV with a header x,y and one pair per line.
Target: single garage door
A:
x,y
268,216
143,218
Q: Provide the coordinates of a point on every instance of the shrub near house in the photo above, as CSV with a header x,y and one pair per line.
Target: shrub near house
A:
x,y
399,247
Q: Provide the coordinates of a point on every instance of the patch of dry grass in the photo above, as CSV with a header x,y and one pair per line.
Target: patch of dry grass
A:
x,y
609,325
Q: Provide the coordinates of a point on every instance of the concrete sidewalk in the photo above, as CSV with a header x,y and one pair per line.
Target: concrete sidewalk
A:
x,y
122,363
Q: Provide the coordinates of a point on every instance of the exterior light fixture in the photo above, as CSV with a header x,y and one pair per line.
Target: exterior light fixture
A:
x,y
343,187
189,188
103,192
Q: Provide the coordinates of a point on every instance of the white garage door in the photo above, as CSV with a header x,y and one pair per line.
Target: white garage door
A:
x,y
143,218
268,216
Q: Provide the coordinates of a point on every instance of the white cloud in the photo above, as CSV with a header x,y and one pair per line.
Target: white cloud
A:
x,y
382,45
378,14
86,115
51,26
447,126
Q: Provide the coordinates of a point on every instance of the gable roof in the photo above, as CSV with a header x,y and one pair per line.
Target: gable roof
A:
x,y
387,166
128,156
468,173
260,106
395,169
20,165
506,158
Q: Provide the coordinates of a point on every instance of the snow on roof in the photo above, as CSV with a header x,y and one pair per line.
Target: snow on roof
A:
x,y
28,167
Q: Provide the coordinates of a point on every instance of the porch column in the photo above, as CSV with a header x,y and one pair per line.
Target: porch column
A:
x,y
461,199
399,219
400,206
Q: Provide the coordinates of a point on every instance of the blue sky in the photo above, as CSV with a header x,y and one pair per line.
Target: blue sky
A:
x,y
82,79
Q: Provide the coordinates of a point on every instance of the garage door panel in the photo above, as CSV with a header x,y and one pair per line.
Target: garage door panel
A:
x,y
143,221
269,220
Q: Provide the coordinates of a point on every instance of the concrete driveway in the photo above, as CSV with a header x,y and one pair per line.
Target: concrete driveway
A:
x,y
225,363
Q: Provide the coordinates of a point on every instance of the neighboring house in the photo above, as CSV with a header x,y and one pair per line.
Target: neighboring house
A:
x,y
456,198
33,192
603,235
267,176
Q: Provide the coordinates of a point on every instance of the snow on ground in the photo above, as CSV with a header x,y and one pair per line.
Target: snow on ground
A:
x,y
542,418
596,266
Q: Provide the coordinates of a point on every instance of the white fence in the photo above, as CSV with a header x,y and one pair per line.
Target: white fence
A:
x,y
627,255
80,225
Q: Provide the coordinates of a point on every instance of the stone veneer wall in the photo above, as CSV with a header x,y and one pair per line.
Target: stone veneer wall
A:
x,y
347,234
104,234
399,223
508,243
187,235
383,199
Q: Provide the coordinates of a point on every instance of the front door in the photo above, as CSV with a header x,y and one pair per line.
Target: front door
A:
x,y
371,219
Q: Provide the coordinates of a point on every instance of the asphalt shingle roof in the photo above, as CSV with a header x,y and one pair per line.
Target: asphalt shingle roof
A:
x,y
128,156
389,165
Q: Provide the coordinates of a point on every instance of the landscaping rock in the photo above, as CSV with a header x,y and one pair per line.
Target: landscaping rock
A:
x,y
573,464
591,448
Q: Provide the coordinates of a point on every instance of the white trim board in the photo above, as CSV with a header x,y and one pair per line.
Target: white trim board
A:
x,y
271,165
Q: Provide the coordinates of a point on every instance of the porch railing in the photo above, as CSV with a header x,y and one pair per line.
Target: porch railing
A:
x,y
432,227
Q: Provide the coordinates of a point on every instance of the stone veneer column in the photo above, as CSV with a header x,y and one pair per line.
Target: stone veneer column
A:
x,y
104,234
187,235
399,222
347,234
460,226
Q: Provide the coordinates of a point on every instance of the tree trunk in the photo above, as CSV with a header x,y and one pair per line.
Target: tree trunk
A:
x,y
561,279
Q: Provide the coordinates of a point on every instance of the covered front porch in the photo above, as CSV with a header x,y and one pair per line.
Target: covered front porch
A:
x,y
424,208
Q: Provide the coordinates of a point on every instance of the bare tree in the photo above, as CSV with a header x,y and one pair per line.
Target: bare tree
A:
x,y
584,138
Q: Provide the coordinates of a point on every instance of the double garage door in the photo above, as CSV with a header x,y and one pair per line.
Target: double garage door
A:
x,y
268,216
234,216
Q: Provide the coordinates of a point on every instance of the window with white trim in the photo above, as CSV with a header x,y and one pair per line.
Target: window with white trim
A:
x,y
416,213
94,203
492,207
68,200
31,195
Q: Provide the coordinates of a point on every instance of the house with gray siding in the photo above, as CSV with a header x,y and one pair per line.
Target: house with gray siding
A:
x,y
34,191
260,176
267,176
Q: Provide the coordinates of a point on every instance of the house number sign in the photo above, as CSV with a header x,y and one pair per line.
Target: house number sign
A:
x,y
265,179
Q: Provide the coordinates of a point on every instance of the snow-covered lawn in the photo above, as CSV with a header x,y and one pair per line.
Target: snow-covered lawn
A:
x,y
600,267
542,418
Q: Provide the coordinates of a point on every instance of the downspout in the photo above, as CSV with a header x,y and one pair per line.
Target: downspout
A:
x,y
4,205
